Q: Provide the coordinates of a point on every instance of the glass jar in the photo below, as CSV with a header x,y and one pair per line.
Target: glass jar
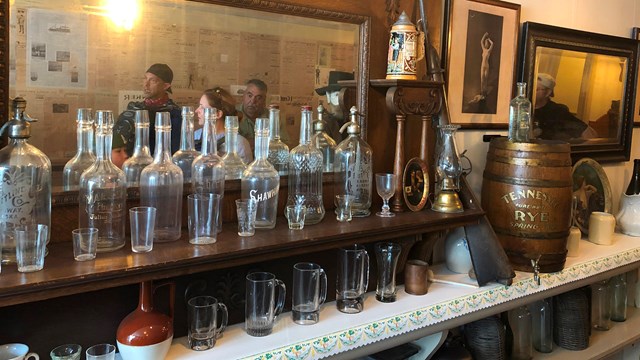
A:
x,y
187,153
323,142
133,166
278,151
103,193
600,305
260,181
85,156
234,166
161,184
352,166
542,325
520,323
618,285
520,128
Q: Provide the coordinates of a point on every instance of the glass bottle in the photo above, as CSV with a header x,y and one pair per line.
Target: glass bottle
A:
x,y
161,184
352,167
323,142
600,307
85,156
184,157
233,163
103,192
542,325
278,150
520,116
26,178
208,170
141,154
520,323
305,173
618,290
260,181
634,183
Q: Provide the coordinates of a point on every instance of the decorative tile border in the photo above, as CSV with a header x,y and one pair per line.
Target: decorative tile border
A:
x,y
349,339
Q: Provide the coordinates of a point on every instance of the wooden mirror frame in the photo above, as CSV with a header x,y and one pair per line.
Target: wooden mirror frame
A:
x,y
536,35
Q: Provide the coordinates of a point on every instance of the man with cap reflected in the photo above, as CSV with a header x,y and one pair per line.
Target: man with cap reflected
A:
x,y
336,117
156,87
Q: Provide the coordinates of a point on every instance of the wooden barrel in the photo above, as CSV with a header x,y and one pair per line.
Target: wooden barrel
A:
x,y
526,194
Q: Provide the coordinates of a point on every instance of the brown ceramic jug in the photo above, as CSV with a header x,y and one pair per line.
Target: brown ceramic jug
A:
x,y
146,333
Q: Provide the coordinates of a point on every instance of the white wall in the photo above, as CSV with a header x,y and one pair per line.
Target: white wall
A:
x,y
611,17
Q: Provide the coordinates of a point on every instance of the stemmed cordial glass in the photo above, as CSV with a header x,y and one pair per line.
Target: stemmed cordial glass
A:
x,y
386,187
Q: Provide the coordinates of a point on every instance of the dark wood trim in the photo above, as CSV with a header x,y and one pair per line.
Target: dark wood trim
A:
x,y
4,66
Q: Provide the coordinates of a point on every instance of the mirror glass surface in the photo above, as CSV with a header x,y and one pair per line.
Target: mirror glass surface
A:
x,y
67,54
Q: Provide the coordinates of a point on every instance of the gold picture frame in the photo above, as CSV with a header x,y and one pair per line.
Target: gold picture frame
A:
x,y
415,184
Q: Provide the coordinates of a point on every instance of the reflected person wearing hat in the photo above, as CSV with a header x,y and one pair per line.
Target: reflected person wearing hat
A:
x,y
332,91
156,87
119,148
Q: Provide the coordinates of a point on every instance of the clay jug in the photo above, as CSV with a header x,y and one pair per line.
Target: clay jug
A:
x,y
146,333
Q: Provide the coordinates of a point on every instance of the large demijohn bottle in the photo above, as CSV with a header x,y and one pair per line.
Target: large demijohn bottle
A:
x,y
25,172
520,129
323,142
161,184
234,166
141,154
305,173
352,164
278,150
103,190
187,153
85,156
261,181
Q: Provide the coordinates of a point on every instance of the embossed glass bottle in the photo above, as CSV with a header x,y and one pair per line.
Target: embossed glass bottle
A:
x,y
141,154
352,167
233,164
161,184
261,181
323,142
278,151
85,156
619,298
26,178
520,128
520,323
542,325
305,173
187,153
103,192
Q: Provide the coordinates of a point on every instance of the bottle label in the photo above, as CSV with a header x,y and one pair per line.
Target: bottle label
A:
x,y
263,196
17,197
104,206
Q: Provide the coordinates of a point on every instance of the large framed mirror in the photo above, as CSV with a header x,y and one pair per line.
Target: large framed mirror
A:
x,y
582,89
62,55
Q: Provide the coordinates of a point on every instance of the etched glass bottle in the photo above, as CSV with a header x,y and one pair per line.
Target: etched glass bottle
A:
x,y
26,179
520,129
184,157
352,167
542,325
278,151
103,191
234,166
85,156
141,154
618,286
260,181
161,184
305,173
208,170
520,323
323,142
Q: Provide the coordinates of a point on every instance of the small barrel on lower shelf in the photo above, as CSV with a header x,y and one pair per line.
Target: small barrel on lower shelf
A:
x,y
526,193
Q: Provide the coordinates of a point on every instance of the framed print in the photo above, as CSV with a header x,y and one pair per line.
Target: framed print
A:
x,y
415,184
592,191
635,34
482,40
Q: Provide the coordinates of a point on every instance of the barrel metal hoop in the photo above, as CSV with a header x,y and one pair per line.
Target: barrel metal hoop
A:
x,y
529,162
532,236
526,182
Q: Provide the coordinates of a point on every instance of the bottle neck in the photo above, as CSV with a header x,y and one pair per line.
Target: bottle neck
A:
x,y
209,144
85,138
142,141
274,124
262,145
522,89
305,127
186,134
163,145
231,141
104,138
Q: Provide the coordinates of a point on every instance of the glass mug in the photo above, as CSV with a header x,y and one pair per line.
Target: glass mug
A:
x,y
309,292
352,279
261,306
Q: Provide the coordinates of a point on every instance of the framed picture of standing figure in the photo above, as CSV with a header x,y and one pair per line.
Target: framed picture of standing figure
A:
x,y
481,59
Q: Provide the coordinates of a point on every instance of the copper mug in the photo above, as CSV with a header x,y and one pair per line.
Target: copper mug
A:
x,y
416,279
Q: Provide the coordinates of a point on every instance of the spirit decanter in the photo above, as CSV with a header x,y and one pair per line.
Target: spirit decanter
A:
x,y
278,151
141,153
187,153
233,164
85,156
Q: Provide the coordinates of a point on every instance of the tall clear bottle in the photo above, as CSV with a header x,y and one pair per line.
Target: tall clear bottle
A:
x,y
85,156
600,305
161,184
278,151
520,323
187,153
520,129
103,191
323,142
26,178
618,286
542,325
305,173
352,167
234,166
261,181
208,170
141,154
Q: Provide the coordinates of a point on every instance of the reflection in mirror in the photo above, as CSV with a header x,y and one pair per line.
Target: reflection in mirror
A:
x,y
66,55
578,95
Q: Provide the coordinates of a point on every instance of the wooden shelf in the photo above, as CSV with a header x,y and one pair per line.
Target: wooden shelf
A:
x,y
63,276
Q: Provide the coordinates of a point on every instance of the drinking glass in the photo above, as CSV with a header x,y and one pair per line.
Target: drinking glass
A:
x,y
31,243
66,352
309,292
143,224
246,209
343,208
262,306
204,210
386,187
85,243
296,216
203,320
101,352
352,279
387,255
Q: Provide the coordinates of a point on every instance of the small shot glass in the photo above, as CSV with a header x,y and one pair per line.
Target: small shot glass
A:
x,y
295,216
343,207
85,243
246,209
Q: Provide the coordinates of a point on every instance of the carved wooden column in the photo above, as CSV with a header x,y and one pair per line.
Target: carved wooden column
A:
x,y
403,99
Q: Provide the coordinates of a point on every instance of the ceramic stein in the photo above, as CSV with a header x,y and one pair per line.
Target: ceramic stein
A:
x,y
628,218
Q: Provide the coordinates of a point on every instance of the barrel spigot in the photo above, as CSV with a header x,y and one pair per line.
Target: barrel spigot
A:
x,y
536,269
